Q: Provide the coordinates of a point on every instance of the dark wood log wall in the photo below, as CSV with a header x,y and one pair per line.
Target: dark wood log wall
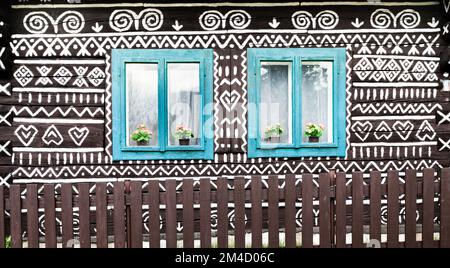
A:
x,y
55,87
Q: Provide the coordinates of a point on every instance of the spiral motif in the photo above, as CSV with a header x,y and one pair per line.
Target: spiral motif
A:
x,y
211,20
72,21
238,19
302,20
409,18
37,22
152,19
121,20
327,19
382,19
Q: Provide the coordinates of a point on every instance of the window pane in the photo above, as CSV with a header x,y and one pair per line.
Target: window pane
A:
x,y
184,102
142,100
276,102
317,97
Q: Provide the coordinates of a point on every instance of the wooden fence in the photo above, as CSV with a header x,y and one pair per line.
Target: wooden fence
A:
x,y
410,209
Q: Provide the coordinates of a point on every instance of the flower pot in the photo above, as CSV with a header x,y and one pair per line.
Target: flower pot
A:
x,y
274,139
142,143
184,142
313,139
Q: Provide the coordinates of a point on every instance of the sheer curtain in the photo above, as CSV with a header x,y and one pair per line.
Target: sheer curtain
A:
x,y
142,99
276,98
317,97
184,99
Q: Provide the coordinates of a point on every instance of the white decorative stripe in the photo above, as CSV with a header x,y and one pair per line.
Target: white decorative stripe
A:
x,y
58,120
395,144
394,117
46,61
395,84
58,150
57,90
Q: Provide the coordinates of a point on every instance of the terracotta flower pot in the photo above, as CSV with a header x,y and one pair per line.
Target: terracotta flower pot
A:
x,y
313,139
142,143
274,139
184,142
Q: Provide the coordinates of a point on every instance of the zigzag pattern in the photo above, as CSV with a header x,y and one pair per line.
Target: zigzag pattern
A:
x,y
108,125
244,98
398,108
253,40
216,101
58,111
348,94
295,167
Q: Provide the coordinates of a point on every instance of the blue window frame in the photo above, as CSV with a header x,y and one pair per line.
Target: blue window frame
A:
x,y
152,87
289,87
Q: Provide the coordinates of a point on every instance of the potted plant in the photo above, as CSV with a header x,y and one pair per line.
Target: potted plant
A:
x,y
141,135
183,134
273,133
314,131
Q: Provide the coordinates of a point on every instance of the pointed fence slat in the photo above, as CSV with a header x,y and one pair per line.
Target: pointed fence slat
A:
x,y
119,215
188,213
222,212
273,212
290,225
375,206
136,214
153,214
239,212
32,216
84,215
101,215
324,210
16,216
445,208
50,216
357,210
410,208
256,211
205,213
171,214
393,209
428,208
341,210
307,211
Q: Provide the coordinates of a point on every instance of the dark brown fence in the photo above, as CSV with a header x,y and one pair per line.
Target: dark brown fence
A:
x,y
410,209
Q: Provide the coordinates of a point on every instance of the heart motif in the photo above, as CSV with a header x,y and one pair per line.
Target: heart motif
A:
x,y
403,129
230,100
26,134
52,135
383,131
78,135
362,130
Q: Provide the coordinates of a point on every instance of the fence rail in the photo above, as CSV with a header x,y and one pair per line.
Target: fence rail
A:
x,y
328,210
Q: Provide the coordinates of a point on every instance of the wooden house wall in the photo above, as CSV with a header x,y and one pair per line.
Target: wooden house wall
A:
x,y
55,91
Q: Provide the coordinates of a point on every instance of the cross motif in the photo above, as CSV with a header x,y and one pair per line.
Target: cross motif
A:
x,y
445,144
2,50
4,148
5,120
4,180
4,89
445,118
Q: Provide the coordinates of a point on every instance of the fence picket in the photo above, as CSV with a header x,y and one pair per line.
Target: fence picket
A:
x,y
50,216
32,216
375,205
410,208
239,212
136,214
2,217
393,209
307,211
289,219
341,210
205,213
222,212
445,208
84,214
153,214
256,211
188,213
357,210
119,215
171,214
15,216
273,213
66,214
324,210
101,215
428,208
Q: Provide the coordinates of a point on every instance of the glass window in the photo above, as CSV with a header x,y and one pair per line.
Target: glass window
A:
x,y
317,97
142,100
299,95
275,102
161,104
184,102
